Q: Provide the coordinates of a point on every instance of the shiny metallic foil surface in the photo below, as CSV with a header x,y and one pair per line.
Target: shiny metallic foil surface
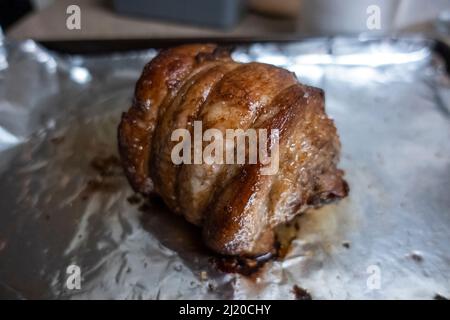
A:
x,y
65,201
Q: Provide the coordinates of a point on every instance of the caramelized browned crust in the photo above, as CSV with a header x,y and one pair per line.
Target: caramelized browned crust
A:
x,y
234,103
241,218
181,113
160,80
237,206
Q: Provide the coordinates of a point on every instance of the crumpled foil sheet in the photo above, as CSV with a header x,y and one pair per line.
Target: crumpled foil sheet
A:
x,y
64,200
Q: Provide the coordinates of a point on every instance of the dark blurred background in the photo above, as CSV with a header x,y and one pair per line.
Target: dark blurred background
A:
x,y
121,19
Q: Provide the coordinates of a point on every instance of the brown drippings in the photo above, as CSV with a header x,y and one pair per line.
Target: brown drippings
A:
x,y
246,266
107,166
285,234
190,234
134,199
241,265
57,140
300,293
107,169
99,185
282,247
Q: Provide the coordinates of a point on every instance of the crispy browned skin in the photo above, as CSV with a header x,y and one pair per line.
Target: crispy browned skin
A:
x,y
307,177
237,206
161,79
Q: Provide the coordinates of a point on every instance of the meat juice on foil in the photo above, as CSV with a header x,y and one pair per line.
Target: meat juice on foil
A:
x,y
66,209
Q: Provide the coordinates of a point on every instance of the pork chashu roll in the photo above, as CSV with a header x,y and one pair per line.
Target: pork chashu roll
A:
x,y
237,203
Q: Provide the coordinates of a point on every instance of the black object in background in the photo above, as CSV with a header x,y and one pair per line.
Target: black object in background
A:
x,y
222,14
13,10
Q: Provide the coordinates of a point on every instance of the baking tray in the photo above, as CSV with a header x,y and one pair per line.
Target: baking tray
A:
x,y
64,200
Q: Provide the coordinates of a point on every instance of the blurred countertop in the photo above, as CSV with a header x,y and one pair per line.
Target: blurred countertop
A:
x,y
99,21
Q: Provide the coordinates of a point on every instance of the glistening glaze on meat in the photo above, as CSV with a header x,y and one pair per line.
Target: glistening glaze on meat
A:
x,y
237,207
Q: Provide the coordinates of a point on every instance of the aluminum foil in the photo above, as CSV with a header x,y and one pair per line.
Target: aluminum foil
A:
x,y
64,201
